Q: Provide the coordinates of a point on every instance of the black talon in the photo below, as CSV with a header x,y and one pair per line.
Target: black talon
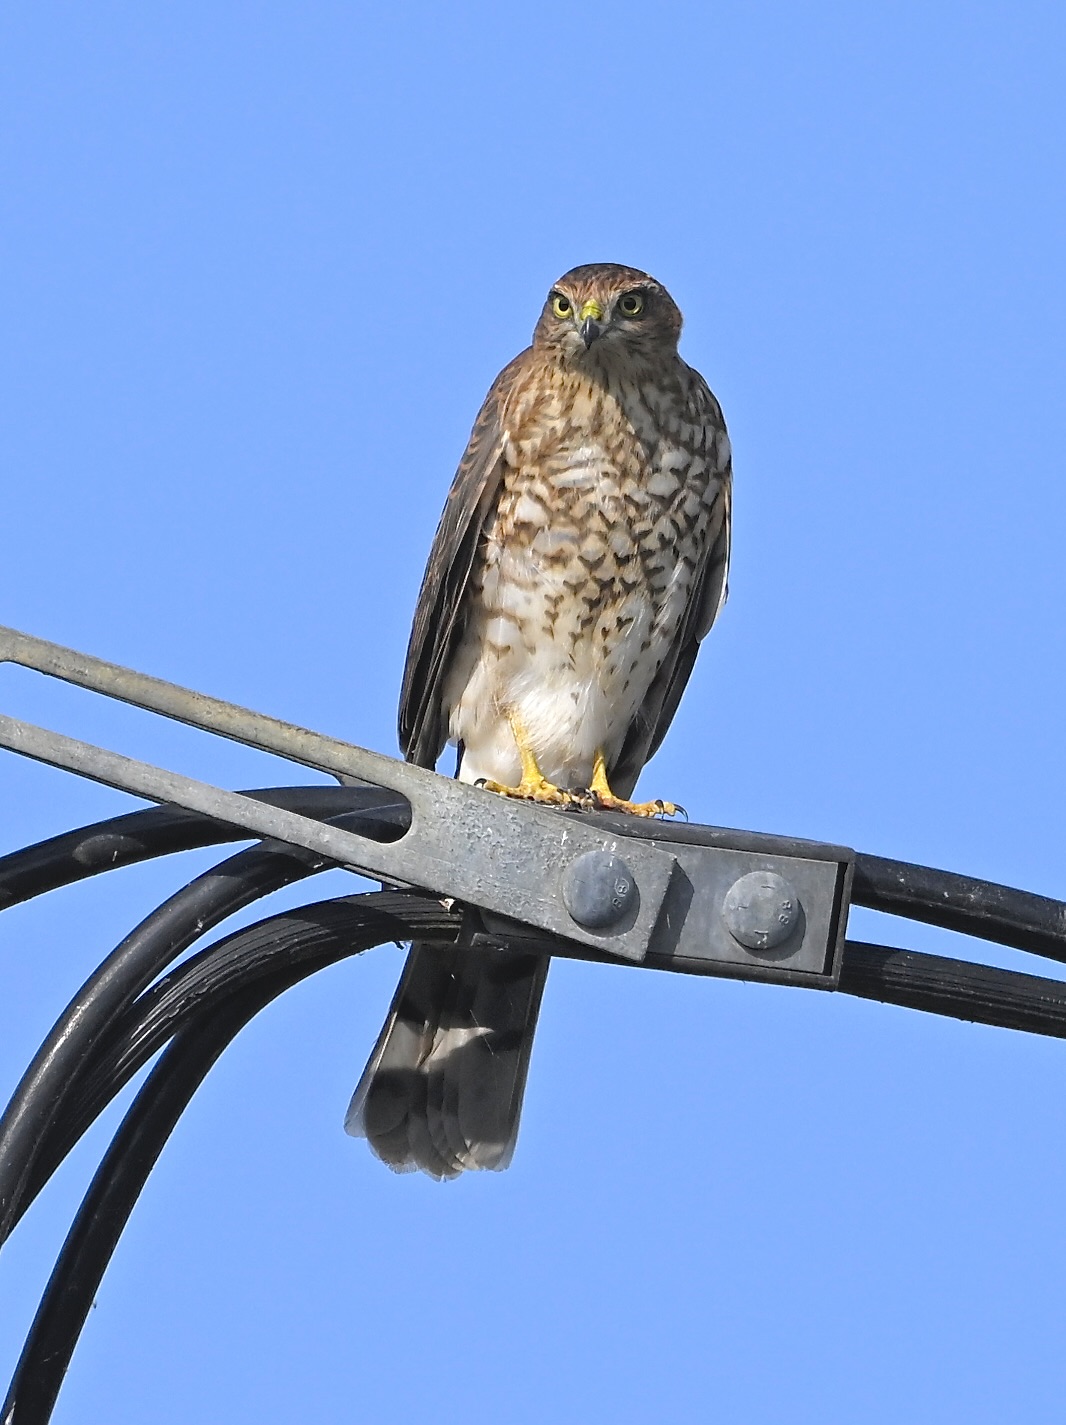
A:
x,y
678,809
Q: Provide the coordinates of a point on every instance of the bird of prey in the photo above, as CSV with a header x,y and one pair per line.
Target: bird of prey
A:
x,y
580,559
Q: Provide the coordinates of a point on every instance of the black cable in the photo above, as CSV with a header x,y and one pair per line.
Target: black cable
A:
x,y
930,983
960,989
28,1122
204,1003
1031,1013
145,1026
992,912
104,1213
249,969
37,1103
272,955
161,831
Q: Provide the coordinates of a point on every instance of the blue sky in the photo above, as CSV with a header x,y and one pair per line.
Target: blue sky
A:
x,y
260,265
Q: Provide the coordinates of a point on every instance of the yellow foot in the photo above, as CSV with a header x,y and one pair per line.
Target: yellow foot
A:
x,y
537,789
534,786
605,800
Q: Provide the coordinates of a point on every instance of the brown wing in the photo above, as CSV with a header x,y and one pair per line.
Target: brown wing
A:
x,y
709,589
440,612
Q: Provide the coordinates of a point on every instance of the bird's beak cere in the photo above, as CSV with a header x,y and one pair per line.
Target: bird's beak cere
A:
x,y
591,319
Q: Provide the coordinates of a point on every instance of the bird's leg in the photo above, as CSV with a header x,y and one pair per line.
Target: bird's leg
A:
x,y
534,786
607,801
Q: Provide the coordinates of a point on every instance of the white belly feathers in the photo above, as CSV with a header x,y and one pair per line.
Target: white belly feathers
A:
x,y
579,597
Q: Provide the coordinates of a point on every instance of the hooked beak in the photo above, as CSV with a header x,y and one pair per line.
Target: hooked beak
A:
x,y
591,318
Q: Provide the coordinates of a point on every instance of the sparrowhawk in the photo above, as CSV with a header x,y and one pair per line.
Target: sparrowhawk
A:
x,y
580,559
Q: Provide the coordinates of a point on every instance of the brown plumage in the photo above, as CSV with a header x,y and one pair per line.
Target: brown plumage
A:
x,y
580,559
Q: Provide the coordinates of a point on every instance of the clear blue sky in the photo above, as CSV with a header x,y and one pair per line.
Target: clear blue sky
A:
x,y
260,264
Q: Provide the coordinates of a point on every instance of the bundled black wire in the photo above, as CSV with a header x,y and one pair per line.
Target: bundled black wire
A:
x,y
130,1009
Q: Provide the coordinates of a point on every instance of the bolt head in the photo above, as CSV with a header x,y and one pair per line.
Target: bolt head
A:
x,y
598,889
761,910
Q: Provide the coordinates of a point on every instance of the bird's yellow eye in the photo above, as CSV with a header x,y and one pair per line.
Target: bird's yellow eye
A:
x,y
631,305
562,306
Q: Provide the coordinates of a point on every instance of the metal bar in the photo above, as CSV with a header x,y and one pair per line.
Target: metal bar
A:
x,y
515,861
463,843
551,872
298,744
162,831
156,784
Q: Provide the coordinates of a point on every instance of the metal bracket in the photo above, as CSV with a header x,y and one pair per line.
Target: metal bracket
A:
x,y
680,897
752,912
463,842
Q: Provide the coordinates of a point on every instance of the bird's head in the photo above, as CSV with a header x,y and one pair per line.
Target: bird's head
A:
x,y
603,313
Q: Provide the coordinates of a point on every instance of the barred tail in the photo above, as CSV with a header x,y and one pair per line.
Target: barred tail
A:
x,y
443,1088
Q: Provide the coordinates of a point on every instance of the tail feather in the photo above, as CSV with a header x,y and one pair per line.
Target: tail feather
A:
x,y
443,1088
432,1115
491,1075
